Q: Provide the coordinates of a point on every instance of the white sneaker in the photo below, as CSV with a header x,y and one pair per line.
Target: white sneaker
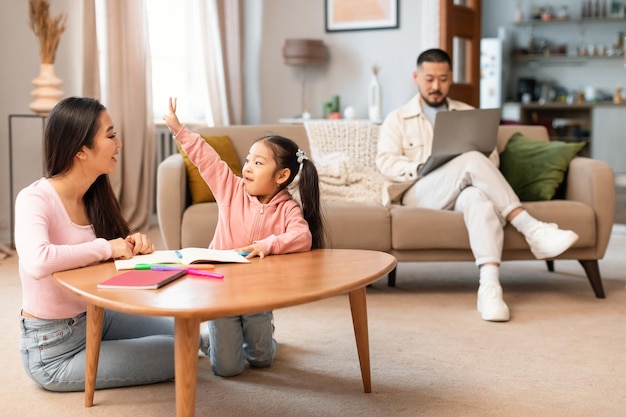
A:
x,y
204,338
490,304
548,241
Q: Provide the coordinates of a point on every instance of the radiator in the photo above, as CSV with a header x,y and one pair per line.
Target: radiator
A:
x,y
165,144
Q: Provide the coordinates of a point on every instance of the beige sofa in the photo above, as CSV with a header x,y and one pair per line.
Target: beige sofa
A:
x,y
410,234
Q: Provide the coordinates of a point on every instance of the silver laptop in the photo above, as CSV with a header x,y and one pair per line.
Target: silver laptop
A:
x,y
457,132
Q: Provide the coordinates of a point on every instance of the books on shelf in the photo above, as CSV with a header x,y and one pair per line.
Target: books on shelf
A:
x,y
142,280
185,256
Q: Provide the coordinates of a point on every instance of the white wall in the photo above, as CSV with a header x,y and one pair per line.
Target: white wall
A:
x,y
20,51
273,88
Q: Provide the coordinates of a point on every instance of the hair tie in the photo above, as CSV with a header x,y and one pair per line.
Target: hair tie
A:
x,y
301,156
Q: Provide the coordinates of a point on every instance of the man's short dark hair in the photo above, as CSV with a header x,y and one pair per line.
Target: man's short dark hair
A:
x,y
434,55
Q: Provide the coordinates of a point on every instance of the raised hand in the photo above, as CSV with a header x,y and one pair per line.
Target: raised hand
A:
x,y
171,119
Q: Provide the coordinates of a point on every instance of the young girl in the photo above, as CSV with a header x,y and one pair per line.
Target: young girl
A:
x,y
257,215
71,219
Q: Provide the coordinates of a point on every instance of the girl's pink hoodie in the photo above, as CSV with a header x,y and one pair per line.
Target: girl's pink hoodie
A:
x,y
278,226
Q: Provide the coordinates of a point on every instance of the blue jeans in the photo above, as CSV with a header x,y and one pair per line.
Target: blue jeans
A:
x,y
135,350
235,339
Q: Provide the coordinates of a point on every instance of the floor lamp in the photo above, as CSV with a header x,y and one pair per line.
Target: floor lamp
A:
x,y
304,53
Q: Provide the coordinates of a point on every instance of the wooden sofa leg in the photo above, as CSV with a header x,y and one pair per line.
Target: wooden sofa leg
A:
x,y
550,265
391,278
593,273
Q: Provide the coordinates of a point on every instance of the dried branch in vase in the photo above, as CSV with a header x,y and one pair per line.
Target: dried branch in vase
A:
x,y
47,29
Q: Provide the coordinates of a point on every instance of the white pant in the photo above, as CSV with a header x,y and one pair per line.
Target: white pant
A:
x,y
473,185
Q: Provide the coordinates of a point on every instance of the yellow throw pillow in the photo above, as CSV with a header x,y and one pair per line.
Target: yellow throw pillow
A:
x,y
200,191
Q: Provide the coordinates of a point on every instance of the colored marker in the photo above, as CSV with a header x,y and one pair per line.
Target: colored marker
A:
x,y
244,253
178,254
167,268
197,272
198,266
189,271
195,266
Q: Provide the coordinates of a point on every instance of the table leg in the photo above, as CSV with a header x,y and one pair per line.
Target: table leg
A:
x,y
358,307
95,315
186,342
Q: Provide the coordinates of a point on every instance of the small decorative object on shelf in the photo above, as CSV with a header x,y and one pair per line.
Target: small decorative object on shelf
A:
x,y
519,12
562,13
349,113
332,108
48,30
375,107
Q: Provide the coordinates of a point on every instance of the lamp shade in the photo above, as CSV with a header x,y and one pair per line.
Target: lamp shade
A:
x,y
304,52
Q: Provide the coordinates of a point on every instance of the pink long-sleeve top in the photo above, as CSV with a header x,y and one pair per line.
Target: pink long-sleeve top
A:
x,y
47,242
278,226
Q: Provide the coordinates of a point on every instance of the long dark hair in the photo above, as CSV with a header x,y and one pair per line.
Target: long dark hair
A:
x,y
72,124
288,155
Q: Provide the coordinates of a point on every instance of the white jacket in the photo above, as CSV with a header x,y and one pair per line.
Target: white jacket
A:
x,y
405,141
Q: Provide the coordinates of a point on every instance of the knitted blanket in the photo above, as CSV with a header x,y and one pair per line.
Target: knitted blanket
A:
x,y
344,152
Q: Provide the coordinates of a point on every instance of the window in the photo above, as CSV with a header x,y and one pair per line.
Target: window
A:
x,y
176,58
177,61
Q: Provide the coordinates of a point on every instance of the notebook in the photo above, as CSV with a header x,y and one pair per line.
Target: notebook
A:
x,y
457,132
142,280
184,256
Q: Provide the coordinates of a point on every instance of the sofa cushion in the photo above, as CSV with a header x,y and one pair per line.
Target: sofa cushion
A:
x,y
535,169
357,226
200,191
416,228
198,225
348,225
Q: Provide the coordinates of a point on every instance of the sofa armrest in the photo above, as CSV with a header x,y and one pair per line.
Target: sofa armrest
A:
x,y
592,182
171,198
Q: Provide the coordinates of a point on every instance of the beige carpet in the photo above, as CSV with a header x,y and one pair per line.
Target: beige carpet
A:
x,y
562,354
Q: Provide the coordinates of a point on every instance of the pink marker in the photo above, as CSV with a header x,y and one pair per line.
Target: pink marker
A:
x,y
200,273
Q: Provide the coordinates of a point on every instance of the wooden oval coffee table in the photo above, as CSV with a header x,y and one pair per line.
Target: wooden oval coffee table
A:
x,y
264,284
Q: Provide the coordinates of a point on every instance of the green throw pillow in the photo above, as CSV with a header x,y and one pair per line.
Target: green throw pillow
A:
x,y
200,191
534,168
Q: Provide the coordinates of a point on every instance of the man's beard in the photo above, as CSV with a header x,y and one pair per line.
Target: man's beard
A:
x,y
433,103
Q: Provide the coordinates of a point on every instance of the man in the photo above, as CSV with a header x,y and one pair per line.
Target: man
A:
x,y
470,183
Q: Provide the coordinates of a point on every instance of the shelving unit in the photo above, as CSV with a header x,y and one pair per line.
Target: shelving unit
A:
x,y
613,51
560,59
568,66
565,122
591,20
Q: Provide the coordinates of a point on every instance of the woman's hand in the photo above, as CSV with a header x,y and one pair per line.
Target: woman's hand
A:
x,y
135,244
171,119
121,249
254,250
140,244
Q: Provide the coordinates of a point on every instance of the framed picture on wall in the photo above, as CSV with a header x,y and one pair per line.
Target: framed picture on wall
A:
x,y
344,15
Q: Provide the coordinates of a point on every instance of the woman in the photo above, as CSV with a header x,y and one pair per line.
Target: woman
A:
x,y
70,219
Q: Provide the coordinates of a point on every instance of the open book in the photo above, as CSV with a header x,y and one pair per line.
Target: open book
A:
x,y
186,256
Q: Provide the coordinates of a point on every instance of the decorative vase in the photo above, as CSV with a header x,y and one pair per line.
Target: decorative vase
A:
x,y
46,92
375,110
